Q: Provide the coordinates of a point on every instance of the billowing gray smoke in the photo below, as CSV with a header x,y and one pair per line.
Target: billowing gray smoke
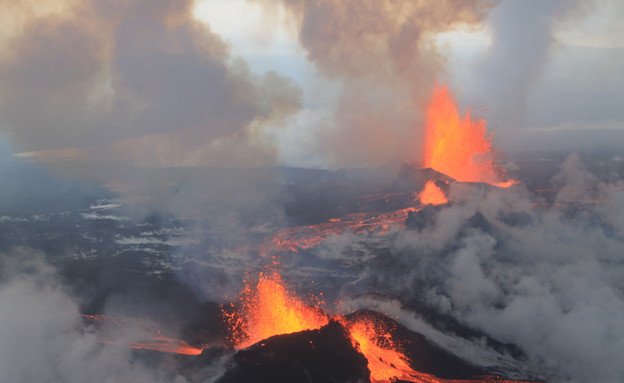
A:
x,y
44,339
545,279
140,82
384,55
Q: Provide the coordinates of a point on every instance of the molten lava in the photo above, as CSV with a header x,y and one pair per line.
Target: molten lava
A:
x,y
385,361
156,342
305,237
459,147
268,309
432,195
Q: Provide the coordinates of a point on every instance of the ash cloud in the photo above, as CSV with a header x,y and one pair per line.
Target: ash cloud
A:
x,y
384,55
140,82
121,92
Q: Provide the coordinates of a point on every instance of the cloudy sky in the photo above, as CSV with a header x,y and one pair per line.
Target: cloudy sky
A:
x,y
301,83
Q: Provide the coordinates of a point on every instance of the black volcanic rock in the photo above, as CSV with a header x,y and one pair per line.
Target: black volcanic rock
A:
x,y
315,356
422,218
411,179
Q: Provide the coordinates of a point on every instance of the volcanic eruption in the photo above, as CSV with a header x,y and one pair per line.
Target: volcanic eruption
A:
x,y
270,325
458,149
458,146
267,312
254,191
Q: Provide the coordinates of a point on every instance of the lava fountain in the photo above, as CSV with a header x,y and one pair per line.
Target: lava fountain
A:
x,y
432,195
268,308
458,146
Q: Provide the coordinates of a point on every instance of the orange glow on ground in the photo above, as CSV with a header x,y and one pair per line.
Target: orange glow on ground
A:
x,y
432,195
268,309
458,146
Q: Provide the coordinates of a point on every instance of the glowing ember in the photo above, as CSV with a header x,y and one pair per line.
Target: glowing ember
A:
x,y
269,309
432,195
459,147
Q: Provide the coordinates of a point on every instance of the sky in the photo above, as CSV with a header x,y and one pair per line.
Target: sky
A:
x,y
259,83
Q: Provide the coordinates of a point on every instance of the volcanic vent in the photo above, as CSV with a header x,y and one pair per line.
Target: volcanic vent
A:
x,y
281,339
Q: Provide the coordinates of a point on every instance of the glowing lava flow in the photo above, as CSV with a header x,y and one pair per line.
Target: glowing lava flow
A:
x,y
385,363
305,237
432,195
156,342
268,309
459,147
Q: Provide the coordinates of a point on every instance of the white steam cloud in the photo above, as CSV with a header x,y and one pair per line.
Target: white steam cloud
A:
x,y
43,338
545,279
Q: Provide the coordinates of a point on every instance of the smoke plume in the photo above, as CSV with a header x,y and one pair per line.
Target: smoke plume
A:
x,y
43,339
523,40
384,54
135,81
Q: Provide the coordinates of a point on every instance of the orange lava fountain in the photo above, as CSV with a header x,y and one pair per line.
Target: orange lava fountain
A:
x,y
459,147
432,195
268,309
